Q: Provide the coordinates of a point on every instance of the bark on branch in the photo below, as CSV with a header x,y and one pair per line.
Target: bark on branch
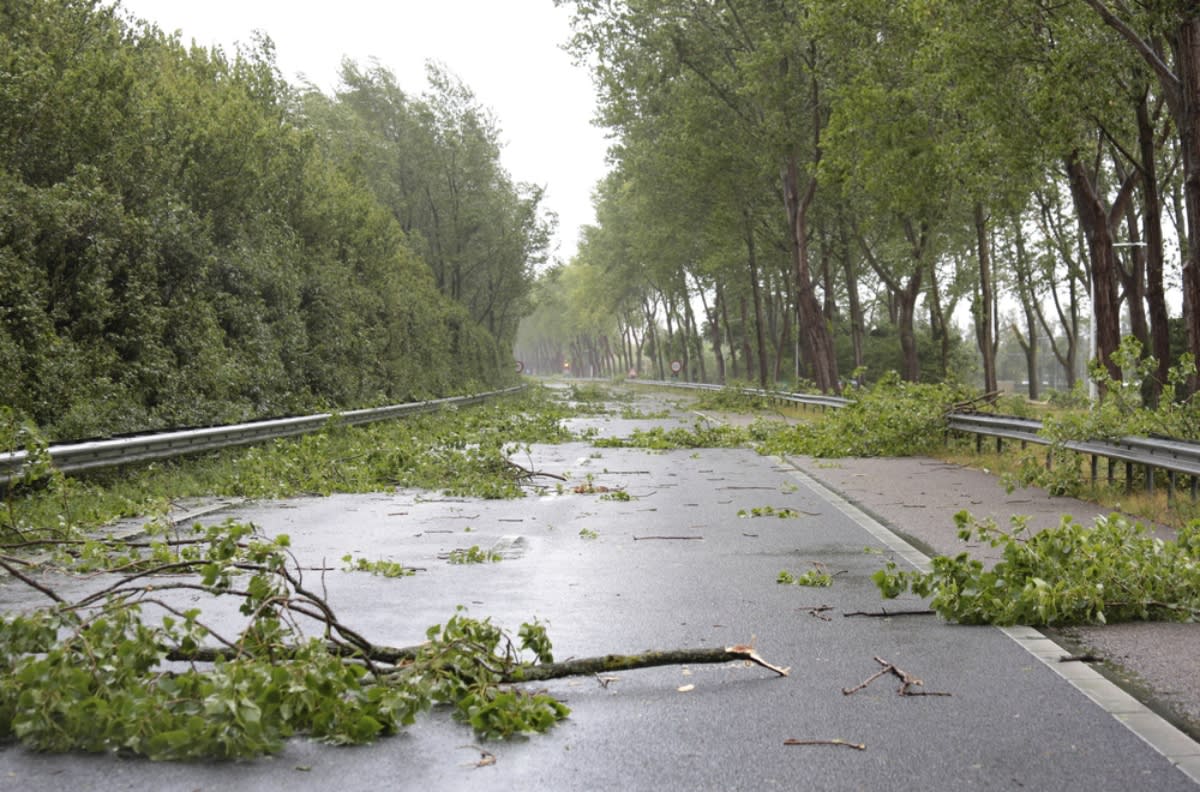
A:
x,y
536,673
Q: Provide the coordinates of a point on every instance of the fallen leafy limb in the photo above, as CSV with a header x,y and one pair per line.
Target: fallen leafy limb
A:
x,y
91,675
907,681
834,741
1114,570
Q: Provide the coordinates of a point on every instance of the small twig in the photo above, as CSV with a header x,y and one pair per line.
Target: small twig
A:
x,y
1083,658
486,758
834,741
682,538
817,611
883,613
907,680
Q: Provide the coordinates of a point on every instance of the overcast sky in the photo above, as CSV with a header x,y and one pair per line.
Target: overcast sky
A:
x,y
506,51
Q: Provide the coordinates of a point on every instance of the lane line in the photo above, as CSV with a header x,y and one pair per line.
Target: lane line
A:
x,y
1177,747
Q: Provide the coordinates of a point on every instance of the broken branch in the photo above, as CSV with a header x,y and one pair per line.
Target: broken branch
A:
x,y
580,666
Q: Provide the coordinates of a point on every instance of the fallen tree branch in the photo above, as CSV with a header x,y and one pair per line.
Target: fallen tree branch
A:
x,y
534,673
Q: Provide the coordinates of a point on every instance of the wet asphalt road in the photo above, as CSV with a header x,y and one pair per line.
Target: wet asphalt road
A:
x,y
674,567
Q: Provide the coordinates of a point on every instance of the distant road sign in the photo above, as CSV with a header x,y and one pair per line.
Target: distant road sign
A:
x,y
520,366
676,366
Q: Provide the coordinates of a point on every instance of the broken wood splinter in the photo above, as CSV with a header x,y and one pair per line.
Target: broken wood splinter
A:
x,y
834,741
908,681
682,538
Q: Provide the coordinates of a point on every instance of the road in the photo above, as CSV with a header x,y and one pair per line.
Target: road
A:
x,y
682,564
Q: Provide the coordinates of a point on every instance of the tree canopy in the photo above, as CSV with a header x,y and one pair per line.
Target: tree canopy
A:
x,y
186,238
893,171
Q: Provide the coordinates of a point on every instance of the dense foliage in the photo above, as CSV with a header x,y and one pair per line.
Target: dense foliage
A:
x,y
891,418
185,238
802,188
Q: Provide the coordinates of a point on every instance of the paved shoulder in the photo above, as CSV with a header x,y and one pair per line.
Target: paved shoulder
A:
x,y
917,498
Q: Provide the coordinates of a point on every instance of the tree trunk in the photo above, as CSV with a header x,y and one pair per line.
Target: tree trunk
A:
x,y
857,325
747,353
696,342
1094,222
1187,122
714,322
1023,273
984,316
813,330
906,305
1156,300
723,304
759,330
937,324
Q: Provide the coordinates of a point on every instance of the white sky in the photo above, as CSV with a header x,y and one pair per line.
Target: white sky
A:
x,y
508,52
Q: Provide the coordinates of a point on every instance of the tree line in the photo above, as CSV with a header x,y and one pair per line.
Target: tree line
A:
x,y
187,238
828,183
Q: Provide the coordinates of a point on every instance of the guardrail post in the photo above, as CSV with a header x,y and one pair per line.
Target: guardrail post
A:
x,y
1095,468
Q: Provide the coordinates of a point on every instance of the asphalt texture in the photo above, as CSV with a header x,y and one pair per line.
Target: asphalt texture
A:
x,y
918,497
683,564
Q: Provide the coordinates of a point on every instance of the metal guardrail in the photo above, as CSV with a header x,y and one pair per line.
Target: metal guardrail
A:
x,y
1175,457
75,457
810,399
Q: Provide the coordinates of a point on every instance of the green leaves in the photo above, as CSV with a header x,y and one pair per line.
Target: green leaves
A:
x,y
892,418
473,555
1071,574
816,578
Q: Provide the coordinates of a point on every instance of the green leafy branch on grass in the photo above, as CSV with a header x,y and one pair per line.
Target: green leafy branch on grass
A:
x,y
1112,571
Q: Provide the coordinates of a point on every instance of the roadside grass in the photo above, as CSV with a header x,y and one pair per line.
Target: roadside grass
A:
x,y
1071,472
